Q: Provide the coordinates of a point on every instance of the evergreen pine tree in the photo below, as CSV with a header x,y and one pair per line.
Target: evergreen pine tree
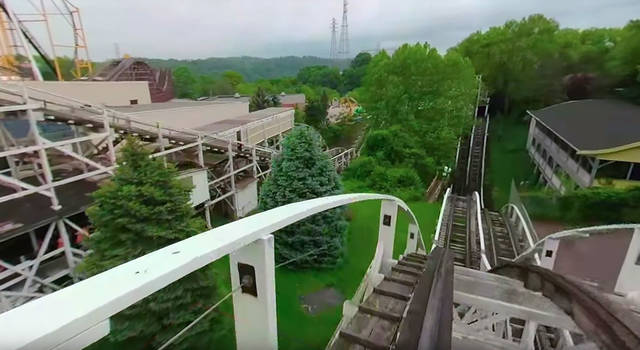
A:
x,y
141,209
303,171
260,100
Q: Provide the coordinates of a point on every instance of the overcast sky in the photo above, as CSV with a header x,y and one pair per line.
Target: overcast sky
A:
x,y
269,28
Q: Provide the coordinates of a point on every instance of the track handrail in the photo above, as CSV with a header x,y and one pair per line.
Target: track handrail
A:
x,y
484,157
484,262
62,315
445,202
125,118
470,153
525,228
573,233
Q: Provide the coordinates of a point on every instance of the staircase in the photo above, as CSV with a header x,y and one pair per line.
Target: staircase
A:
x,y
376,323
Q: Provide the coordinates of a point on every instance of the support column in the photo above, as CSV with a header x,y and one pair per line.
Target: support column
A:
x,y
630,171
387,232
594,171
412,239
107,129
42,153
78,147
233,179
254,306
10,159
207,216
200,152
62,231
254,159
528,335
161,143
34,242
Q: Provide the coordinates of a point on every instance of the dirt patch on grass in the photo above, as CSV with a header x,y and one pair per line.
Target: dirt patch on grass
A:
x,y
321,300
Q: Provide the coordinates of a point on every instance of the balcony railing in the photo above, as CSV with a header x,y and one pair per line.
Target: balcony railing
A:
x,y
580,175
552,179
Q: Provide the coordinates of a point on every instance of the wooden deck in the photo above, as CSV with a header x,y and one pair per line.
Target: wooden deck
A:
x,y
375,325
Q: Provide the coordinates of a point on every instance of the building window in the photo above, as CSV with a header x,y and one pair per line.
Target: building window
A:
x,y
239,136
548,253
133,102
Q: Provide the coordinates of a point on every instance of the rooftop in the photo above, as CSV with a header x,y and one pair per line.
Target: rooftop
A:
x,y
166,105
594,126
292,99
230,98
235,122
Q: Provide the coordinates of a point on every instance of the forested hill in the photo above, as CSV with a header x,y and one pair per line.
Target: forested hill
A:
x,y
252,68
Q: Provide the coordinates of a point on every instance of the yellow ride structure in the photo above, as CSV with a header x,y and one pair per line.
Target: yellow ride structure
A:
x,y
57,22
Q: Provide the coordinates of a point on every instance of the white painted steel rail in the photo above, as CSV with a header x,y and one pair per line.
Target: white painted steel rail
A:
x,y
83,309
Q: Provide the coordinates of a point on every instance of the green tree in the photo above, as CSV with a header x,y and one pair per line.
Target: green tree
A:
x,y
223,87
234,78
185,83
260,100
206,86
518,60
320,76
303,171
423,97
352,76
316,110
143,208
624,62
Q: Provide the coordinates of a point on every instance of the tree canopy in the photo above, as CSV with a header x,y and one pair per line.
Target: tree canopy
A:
x,y
143,208
317,110
251,68
190,85
352,76
185,83
532,62
303,171
261,100
320,76
430,97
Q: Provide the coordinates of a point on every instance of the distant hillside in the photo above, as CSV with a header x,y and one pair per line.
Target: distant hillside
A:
x,y
252,68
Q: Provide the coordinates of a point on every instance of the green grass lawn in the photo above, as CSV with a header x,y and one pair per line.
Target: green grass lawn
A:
x,y
296,328
508,157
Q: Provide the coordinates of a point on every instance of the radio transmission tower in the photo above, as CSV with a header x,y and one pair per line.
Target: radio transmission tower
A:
x,y
343,50
333,54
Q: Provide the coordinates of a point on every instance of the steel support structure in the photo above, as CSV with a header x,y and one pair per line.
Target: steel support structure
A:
x,y
54,257
496,312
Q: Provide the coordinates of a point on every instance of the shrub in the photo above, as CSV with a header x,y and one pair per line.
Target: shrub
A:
x,y
366,175
590,206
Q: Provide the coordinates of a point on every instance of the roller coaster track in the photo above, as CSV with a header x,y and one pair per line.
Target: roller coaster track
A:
x,y
480,238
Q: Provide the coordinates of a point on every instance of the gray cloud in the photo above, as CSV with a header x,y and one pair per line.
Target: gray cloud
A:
x,y
205,28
